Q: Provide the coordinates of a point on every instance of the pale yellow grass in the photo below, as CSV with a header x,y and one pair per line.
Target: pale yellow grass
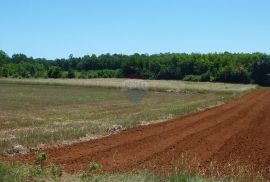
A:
x,y
161,85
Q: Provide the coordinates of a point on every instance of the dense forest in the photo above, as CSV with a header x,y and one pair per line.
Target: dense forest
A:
x,y
222,67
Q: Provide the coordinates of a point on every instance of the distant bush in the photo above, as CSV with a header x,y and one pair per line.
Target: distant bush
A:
x,y
54,72
71,74
194,78
260,72
206,77
232,75
101,74
4,72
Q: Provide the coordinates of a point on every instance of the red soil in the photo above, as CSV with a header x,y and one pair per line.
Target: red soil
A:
x,y
238,131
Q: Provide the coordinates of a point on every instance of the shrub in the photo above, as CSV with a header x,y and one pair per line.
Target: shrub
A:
x,y
42,156
5,72
232,75
93,166
54,72
206,77
194,78
261,72
71,74
101,74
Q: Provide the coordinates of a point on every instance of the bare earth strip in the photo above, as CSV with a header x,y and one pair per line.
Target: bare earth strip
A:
x,y
237,131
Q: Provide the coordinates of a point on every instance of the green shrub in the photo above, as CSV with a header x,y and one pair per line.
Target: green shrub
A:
x,y
230,74
101,74
260,72
71,74
194,78
93,166
5,72
54,72
40,157
206,77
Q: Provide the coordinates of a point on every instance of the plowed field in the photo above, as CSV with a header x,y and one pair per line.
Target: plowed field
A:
x,y
237,132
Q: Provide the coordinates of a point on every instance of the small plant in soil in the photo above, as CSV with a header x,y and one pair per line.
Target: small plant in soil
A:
x,y
93,166
40,157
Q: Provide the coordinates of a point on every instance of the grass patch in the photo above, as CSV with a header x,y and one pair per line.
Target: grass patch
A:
x,y
155,85
143,177
23,173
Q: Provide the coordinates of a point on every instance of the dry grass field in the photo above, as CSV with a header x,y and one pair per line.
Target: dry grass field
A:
x,y
156,85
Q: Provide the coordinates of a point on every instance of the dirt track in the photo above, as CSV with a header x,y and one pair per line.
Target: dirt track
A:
x,y
237,131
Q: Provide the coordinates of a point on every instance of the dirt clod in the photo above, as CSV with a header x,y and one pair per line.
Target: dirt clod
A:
x,y
17,149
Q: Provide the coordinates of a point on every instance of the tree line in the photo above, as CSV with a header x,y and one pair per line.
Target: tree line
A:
x,y
214,67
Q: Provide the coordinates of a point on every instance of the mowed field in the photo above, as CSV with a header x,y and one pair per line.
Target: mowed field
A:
x,y
36,115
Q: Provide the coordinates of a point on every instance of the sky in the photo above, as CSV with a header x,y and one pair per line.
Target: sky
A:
x,y
56,28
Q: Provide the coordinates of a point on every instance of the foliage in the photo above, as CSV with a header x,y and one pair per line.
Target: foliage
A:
x,y
223,67
22,173
42,156
101,74
260,72
194,78
233,75
93,166
54,72
71,74
10,172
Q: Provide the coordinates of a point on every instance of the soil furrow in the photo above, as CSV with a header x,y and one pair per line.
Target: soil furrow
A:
x,y
236,131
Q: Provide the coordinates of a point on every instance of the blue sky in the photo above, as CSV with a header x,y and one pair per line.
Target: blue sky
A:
x,y
57,28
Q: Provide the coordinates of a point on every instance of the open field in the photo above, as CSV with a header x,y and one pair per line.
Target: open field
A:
x,y
155,85
38,115
229,137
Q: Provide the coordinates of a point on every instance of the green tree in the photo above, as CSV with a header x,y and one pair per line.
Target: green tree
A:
x,y
54,72
5,72
71,74
261,72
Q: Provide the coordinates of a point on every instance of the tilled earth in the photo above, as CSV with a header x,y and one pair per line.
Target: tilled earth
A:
x,y
235,133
